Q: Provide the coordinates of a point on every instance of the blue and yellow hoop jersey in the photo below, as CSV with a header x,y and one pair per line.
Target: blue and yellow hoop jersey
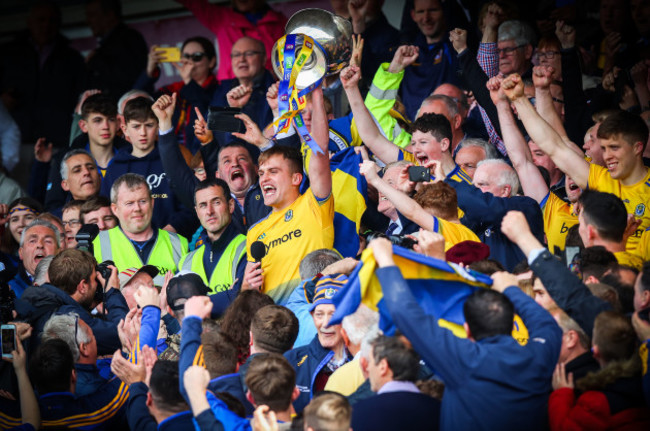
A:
x,y
558,218
635,197
288,236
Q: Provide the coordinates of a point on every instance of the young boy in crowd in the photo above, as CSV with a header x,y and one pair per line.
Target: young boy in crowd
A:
x,y
141,127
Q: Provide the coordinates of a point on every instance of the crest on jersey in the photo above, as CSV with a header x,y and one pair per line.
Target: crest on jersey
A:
x,y
639,210
288,215
262,236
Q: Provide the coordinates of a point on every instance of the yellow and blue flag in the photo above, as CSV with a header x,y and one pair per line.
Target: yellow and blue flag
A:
x,y
439,287
349,189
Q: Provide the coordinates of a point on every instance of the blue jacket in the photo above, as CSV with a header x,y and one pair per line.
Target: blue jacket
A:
x,y
494,383
190,343
139,418
568,291
307,360
20,282
183,182
257,107
396,410
483,215
105,331
167,208
88,379
103,409
437,65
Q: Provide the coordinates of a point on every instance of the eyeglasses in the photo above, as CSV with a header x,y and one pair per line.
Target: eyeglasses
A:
x,y
195,57
549,55
73,223
246,54
509,51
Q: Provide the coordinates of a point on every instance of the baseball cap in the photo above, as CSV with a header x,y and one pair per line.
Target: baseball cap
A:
x,y
128,274
326,288
184,285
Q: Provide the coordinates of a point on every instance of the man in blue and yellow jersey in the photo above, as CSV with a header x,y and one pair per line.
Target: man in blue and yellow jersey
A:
x,y
135,242
623,137
221,260
431,139
298,224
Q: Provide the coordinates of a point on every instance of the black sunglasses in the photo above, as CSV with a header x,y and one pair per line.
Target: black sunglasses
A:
x,y
195,56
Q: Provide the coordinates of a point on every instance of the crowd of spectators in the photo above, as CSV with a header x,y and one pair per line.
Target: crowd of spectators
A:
x,y
162,273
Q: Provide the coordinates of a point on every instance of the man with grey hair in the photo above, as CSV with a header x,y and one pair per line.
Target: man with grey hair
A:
x,y
575,353
39,239
79,176
135,242
354,329
81,340
487,202
40,274
471,152
506,50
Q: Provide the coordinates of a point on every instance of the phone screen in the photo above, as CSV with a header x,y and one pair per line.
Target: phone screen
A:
x,y
8,340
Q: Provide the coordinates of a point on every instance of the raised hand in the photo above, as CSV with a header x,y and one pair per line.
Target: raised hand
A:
x,y
201,131
253,134
163,108
357,50
86,94
239,96
561,379
350,77
566,34
253,276
543,77
502,280
369,170
496,92
199,306
513,86
404,56
154,58
493,17
272,98
147,296
185,69
458,38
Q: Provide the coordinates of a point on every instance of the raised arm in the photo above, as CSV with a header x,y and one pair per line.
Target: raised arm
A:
x,y
531,179
320,176
368,129
404,204
544,135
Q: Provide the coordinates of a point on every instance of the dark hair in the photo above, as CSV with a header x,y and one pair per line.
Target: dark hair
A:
x,y
139,109
596,261
401,359
164,388
233,403
220,354
605,212
51,366
69,267
625,291
236,322
487,266
614,336
488,313
93,204
271,380
290,154
234,144
74,203
213,182
208,46
99,103
624,125
274,328
573,238
9,245
436,124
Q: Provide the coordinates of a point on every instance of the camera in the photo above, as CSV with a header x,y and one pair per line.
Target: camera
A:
x,y
85,236
105,272
400,240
